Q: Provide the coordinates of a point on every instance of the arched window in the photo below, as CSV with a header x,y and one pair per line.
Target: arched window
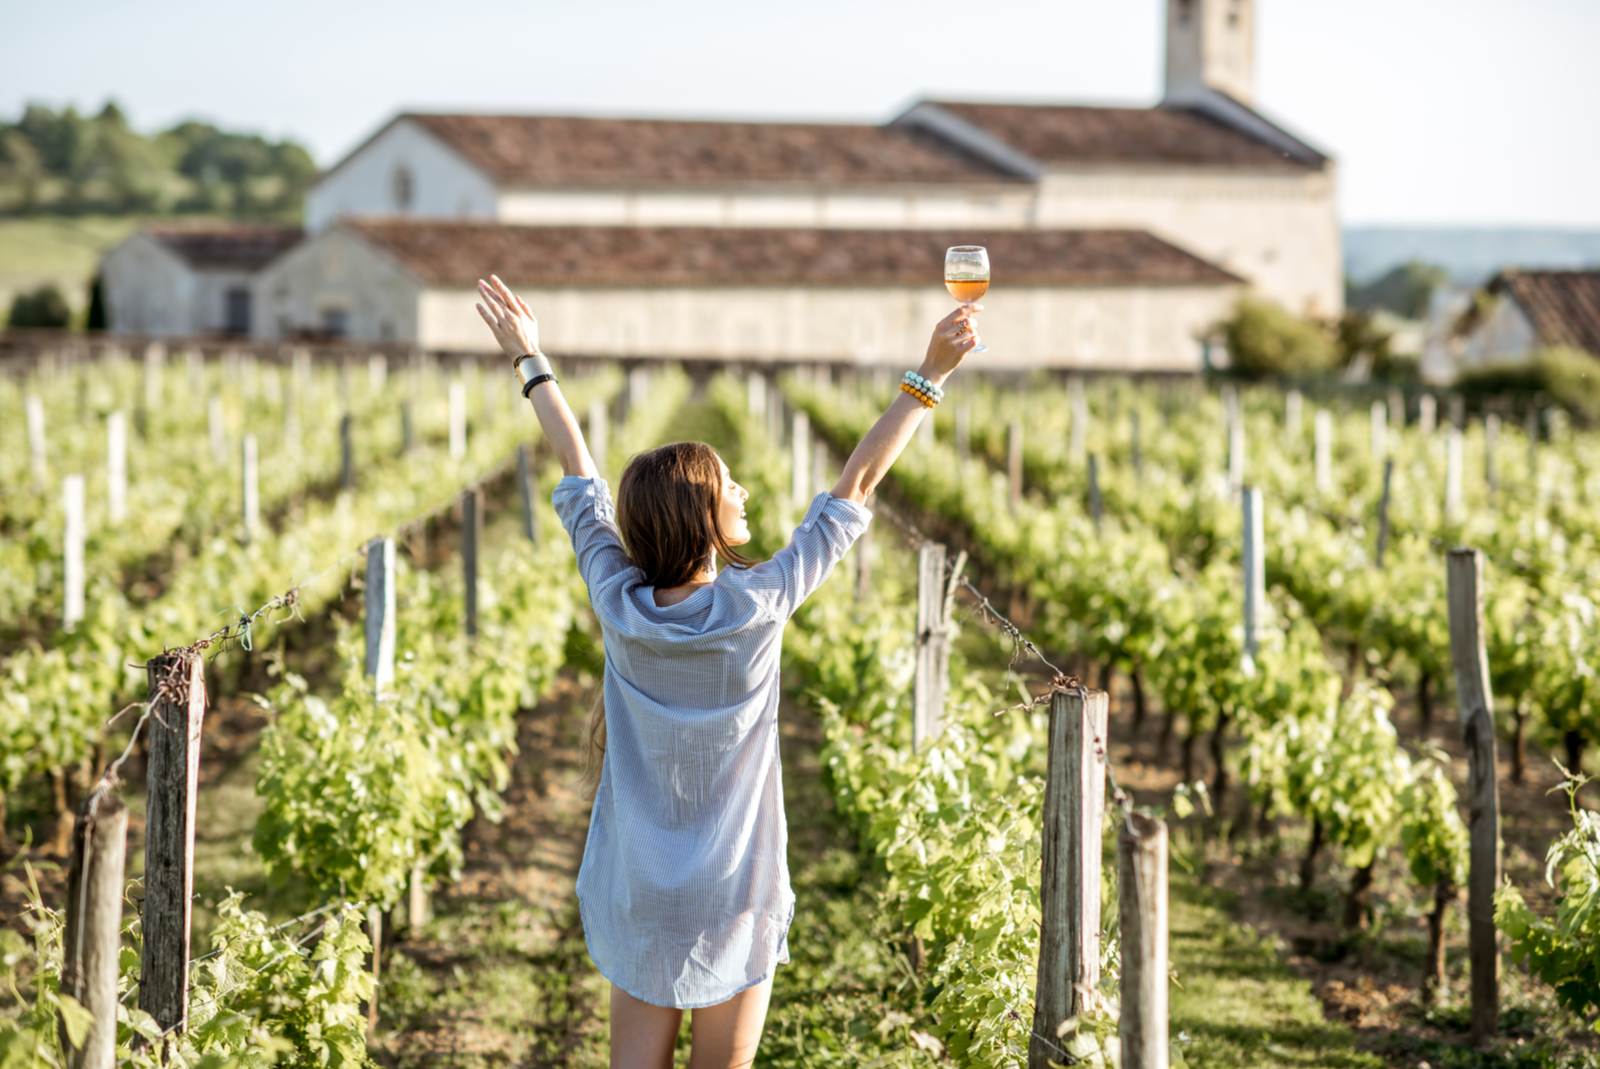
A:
x,y
403,188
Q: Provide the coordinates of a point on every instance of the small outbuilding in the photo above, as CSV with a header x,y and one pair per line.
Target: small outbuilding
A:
x,y
1113,300
1519,312
169,281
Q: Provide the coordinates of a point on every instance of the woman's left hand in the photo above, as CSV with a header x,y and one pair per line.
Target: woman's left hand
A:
x,y
508,317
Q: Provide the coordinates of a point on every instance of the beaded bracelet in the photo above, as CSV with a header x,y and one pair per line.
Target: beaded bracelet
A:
x,y
922,385
928,400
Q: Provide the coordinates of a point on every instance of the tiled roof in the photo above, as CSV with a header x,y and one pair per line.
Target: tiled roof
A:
x,y
1563,306
457,254
1081,134
243,248
549,149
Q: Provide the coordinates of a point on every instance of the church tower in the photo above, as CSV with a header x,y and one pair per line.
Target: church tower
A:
x,y
1211,45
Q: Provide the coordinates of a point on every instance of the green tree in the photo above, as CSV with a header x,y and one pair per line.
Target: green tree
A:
x,y
43,309
1264,340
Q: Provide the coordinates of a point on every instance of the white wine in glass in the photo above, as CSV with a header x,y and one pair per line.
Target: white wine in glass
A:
x,y
966,276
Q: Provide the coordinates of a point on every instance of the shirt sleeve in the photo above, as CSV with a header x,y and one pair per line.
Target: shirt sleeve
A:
x,y
831,526
586,511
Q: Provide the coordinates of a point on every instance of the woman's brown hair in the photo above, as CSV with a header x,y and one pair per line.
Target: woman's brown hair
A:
x,y
667,510
668,504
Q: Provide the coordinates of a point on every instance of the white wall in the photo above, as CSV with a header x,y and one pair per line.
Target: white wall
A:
x,y
1129,328
443,185
1280,232
148,289
1506,333
862,207
335,270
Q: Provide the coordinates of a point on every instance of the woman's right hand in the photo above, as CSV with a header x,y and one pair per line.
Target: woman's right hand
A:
x,y
954,337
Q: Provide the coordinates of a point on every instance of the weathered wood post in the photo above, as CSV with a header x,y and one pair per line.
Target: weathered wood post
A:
x,y
377,372
1014,465
379,623
347,459
1383,511
1397,408
1142,903
1452,474
1530,430
458,419
194,363
1458,412
117,466
755,395
597,433
933,651
1069,890
1471,662
1427,414
155,356
219,432
91,945
36,442
526,491
250,485
1491,439
177,705
1322,431
819,465
1095,506
408,428
863,555
963,429
1133,445
1078,441
1254,556
1293,414
75,531
471,524
800,459
1380,431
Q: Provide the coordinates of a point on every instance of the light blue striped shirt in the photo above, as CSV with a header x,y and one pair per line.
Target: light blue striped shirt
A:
x,y
684,888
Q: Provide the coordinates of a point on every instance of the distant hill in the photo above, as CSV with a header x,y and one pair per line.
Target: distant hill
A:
x,y
1469,254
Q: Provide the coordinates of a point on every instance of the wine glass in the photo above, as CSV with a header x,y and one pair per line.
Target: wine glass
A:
x,y
966,276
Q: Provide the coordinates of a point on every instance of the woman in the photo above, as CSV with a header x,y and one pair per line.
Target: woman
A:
x,y
684,887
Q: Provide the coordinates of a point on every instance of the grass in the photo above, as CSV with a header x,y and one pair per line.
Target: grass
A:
x,y
66,247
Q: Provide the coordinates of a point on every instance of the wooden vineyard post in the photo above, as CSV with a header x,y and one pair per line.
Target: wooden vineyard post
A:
x,y
1095,506
1383,511
155,355
1069,889
819,465
1322,430
251,479
1293,407
1471,662
1254,557
597,434
375,932
1427,414
347,460
933,650
1491,439
117,466
1014,465
1133,444
177,706
755,395
800,460
963,430
1380,431
194,362
1078,440
471,524
92,942
75,531
526,491
380,614
219,433
408,430
1142,902
36,443
1458,412
457,395
863,555
1452,475
1397,408
377,372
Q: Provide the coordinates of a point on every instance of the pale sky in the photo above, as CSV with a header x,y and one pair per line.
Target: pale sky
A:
x,y
1439,111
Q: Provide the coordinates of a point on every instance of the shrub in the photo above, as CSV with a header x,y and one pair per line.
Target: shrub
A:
x,y
1264,340
44,308
1570,377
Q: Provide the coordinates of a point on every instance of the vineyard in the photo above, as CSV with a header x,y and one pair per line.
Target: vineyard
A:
x,y
297,662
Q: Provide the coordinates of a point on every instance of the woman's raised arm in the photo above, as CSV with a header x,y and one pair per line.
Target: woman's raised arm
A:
x,y
953,338
518,333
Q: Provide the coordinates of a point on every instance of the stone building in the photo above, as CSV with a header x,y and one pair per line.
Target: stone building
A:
x,y
170,281
1110,299
1519,312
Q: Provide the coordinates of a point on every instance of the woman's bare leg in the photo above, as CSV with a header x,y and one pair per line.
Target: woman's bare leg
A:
x,y
726,1035
643,1036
